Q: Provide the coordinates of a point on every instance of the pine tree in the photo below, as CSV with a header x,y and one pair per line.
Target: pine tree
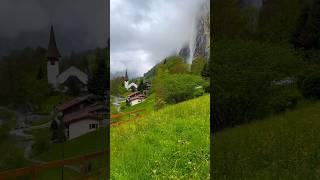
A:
x,y
98,82
141,86
40,74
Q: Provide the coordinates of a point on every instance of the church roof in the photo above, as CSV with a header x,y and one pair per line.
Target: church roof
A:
x,y
53,51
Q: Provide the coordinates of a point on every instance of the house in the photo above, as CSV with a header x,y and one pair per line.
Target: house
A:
x,y
135,98
82,115
57,79
126,83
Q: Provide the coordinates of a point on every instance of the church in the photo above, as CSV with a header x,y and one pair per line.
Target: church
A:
x,y
59,81
127,85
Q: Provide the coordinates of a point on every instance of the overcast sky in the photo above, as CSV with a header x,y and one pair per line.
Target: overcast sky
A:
x,y
144,32
79,24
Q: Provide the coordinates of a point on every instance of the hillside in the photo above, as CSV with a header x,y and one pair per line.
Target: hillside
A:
x,y
170,143
286,146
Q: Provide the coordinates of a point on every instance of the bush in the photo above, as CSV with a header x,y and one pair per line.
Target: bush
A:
x,y
311,86
41,145
180,87
12,157
241,74
286,98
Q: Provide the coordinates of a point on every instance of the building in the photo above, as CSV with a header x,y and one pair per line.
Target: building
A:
x,y
126,83
57,79
135,98
82,115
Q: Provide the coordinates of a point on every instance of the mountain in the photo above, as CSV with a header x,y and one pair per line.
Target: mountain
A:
x,y
199,43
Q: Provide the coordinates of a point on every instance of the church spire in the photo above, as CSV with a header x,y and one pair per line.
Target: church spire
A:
x,y
126,76
53,52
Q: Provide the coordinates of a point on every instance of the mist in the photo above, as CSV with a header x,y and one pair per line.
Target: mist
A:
x,y
79,24
145,32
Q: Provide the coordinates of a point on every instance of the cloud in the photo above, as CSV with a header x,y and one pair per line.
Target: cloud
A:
x,y
79,24
144,32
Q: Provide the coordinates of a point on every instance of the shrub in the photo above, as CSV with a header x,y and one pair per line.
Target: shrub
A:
x,y
286,98
180,87
241,74
41,145
311,86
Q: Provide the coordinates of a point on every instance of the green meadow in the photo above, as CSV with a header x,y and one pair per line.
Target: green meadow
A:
x,y
284,146
171,143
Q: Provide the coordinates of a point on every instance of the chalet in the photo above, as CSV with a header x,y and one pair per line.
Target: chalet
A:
x,y
135,98
57,79
82,115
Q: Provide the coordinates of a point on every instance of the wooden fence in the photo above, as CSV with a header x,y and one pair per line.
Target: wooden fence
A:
x,y
130,114
34,170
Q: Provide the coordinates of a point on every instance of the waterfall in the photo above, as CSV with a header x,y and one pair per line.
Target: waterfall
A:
x,y
192,40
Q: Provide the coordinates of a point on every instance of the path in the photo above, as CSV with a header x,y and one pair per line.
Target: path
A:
x,y
118,101
29,138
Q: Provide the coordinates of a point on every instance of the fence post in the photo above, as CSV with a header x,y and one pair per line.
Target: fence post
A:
x,y
34,174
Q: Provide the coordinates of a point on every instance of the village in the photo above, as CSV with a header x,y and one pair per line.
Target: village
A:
x,y
71,111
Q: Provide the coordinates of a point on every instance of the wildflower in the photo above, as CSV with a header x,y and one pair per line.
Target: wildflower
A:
x,y
154,171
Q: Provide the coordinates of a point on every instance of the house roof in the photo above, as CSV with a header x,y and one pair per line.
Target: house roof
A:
x,y
53,51
78,116
89,112
138,96
134,94
74,102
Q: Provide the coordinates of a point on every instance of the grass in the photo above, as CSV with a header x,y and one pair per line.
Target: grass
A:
x,y
89,143
172,143
285,146
147,105
41,121
50,102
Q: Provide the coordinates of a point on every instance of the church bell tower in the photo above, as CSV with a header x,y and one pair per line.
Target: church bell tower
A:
x,y
53,57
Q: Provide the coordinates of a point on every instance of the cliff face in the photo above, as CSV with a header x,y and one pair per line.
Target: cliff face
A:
x,y
202,38
199,42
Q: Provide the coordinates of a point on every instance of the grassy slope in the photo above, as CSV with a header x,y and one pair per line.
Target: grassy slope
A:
x,y
285,146
91,142
170,143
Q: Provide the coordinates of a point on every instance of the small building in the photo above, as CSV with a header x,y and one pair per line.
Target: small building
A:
x,y
135,98
127,85
60,79
82,115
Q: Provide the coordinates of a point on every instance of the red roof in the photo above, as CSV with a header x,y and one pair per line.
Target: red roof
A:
x,y
74,102
133,94
139,96
90,112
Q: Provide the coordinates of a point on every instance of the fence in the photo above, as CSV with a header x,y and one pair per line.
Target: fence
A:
x,y
34,170
130,114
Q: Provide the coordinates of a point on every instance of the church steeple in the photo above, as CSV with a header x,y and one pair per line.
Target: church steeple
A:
x,y
53,52
126,76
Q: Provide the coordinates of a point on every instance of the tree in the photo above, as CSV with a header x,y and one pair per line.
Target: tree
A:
x,y
98,82
197,65
242,75
278,20
307,34
54,128
40,74
141,86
